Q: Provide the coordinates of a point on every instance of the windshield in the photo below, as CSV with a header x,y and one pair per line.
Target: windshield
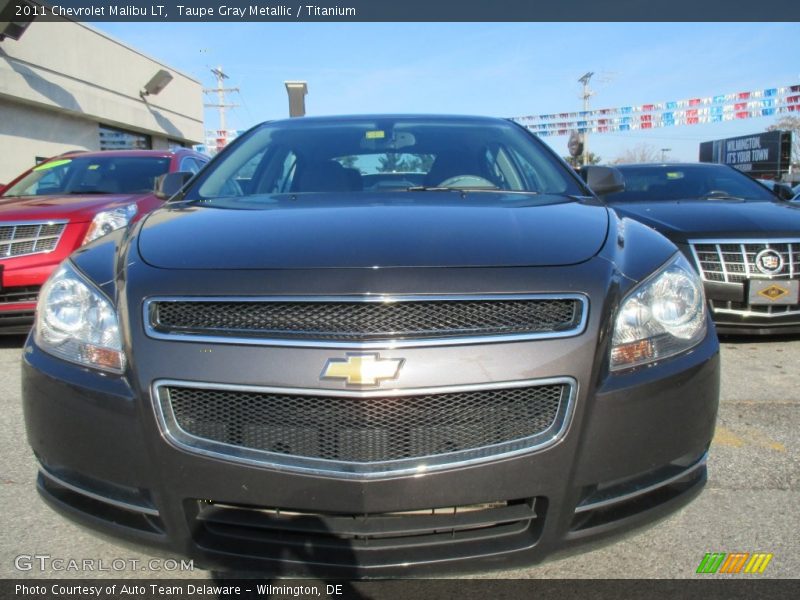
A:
x,y
382,155
687,182
91,175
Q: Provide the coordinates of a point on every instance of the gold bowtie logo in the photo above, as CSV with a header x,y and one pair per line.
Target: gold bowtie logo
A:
x,y
362,369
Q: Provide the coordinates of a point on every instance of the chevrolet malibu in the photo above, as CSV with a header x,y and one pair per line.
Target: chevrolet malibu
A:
x,y
373,346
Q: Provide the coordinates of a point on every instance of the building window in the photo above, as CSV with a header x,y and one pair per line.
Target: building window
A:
x,y
175,145
119,139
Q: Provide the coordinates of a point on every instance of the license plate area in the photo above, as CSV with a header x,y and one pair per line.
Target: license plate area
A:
x,y
773,292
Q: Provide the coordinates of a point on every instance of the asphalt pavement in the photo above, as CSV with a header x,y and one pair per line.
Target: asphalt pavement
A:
x,y
751,502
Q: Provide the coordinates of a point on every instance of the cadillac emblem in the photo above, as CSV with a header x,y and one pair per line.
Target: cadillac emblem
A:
x,y
362,369
769,262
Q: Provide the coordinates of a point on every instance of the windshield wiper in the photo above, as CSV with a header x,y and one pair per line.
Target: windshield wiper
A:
x,y
424,188
721,196
89,192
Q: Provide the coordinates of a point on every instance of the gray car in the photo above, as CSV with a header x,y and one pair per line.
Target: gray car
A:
x,y
374,346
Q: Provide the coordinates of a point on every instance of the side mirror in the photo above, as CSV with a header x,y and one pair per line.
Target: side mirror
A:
x,y
169,184
783,191
603,180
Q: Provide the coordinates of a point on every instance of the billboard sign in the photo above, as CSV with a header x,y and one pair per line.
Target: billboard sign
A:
x,y
763,155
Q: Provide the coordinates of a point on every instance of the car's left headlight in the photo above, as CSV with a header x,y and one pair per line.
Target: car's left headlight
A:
x,y
77,322
663,316
110,220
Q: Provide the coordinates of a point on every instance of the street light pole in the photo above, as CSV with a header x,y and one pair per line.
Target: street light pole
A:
x,y
664,154
587,93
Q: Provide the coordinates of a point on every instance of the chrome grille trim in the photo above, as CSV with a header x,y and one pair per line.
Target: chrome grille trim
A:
x,y
746,255
31,238
578,329
744,263
182,440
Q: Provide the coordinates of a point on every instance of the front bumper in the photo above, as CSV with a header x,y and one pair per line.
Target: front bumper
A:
x,y
634,452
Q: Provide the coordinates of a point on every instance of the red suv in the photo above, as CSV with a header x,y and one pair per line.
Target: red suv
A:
x,y
57,206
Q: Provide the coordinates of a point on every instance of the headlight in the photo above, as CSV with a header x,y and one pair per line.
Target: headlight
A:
x,y
109,220
665,315
76,322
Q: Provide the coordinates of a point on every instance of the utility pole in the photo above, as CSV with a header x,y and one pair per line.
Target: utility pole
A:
x,y
587,93
221,90
664,154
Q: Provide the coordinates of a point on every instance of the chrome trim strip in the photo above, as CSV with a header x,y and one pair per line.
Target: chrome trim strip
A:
x,y
79,490
752,313
150,331
179,438
645,490
735,241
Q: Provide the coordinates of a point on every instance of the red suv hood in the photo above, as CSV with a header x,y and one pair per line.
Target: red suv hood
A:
x,y
75,208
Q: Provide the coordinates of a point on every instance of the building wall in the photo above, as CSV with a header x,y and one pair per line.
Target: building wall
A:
x,y
62,79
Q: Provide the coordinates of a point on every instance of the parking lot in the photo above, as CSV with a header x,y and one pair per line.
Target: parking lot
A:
x,y
751,503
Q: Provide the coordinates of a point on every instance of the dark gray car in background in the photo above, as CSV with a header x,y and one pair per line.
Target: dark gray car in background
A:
x,y
374,346
743,240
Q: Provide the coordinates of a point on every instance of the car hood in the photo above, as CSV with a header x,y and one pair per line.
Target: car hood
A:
x,y
681,220
75,208
375,231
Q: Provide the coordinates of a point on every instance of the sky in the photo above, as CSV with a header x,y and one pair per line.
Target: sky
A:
x,y
496,69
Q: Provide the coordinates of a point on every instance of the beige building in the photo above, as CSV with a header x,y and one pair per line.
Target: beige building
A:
x,y
66,86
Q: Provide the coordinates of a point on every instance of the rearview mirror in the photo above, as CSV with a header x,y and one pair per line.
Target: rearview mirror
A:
x,y
603,180
169,184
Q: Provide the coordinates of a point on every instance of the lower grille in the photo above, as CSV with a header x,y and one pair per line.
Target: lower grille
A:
x,y
366,539
764,310
17,295
20,239
366,433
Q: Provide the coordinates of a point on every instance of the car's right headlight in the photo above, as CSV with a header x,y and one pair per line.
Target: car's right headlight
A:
x,y
663,316
76,322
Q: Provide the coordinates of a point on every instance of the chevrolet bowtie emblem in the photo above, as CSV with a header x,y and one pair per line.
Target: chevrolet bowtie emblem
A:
x,y
362,369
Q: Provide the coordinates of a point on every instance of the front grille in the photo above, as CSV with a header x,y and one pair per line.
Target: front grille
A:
x,y
372,433
735,262
29,238
18,295
366,319
364,538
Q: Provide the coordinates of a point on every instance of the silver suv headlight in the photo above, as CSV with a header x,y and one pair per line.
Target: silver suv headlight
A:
x,y
76,322
110,220
663,316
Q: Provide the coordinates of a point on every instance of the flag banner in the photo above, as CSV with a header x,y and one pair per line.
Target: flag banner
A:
x,y
675,113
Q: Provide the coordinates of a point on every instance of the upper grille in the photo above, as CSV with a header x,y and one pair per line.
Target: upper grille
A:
x,y
18,295
367,319
376,432
734,262
29,238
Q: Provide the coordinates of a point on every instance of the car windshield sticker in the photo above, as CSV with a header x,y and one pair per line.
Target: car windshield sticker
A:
x,y
93,167
674,175
375,135
52,164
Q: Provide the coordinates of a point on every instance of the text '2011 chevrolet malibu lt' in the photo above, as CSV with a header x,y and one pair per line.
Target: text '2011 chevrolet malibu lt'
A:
x,y
374,346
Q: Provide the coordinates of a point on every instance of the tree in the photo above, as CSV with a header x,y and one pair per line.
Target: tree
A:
x,y
790,123
391,162
577,161
641,153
